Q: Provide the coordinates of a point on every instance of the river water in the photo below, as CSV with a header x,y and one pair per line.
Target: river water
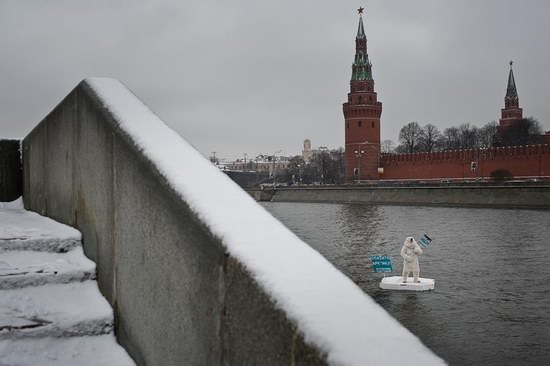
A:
x,y
491,304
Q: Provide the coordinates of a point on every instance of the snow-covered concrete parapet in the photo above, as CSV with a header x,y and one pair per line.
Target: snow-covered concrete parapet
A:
x,y
198,272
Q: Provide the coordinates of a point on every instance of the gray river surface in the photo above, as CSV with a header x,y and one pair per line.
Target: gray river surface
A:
x,y
491,304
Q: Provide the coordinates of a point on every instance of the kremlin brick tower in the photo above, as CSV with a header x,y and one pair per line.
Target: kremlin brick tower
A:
x,y
512,113
362,116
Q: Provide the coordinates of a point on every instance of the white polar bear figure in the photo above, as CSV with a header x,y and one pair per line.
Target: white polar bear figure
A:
x,y
410,252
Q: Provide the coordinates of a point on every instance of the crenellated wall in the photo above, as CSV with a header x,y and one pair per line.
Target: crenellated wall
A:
x,y
521,161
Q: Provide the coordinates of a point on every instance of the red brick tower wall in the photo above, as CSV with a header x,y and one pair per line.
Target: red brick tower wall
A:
x,y
362,113
521,161
362,133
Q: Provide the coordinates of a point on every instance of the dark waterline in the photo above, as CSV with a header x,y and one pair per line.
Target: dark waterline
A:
x,y
491,305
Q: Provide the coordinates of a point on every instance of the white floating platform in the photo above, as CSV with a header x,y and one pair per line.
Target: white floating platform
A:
x,y
396,283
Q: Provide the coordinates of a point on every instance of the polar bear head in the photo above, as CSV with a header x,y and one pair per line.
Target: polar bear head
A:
x,y
410,242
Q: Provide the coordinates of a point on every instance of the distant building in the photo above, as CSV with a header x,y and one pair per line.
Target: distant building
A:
x,y
306,152
262,163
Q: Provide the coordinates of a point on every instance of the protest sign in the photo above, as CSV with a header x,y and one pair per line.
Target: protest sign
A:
x,y
425,240
381,263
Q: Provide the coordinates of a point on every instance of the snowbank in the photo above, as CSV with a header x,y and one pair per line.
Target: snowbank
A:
x,y
330,310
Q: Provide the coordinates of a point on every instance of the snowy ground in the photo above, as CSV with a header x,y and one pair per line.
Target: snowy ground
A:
x,y
51,311
25,230
77,351
20,268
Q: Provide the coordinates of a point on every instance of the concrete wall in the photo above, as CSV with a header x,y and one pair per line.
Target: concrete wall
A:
x,y
536,196
11,175
178,298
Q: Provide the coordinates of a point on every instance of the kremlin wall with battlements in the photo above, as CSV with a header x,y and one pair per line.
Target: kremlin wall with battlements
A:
x,y
364,161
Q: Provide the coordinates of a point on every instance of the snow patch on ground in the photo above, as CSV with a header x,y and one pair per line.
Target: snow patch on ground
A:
x,y
75,351
25,230
331,311
32,268
63,309
13,205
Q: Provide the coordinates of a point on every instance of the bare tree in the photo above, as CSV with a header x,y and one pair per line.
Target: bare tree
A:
x,y
487,135
409,137
296,165
430,138
461,137
326,166
526,131
451,138
413,138
468,136
387,147
335,171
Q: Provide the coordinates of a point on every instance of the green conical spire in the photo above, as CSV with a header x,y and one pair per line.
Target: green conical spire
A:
x,y
361,68
361,29
511,91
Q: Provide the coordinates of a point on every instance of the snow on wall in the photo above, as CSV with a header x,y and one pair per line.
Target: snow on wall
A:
x,y
331,311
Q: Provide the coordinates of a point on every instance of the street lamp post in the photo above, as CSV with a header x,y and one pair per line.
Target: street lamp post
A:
x,y
359,153
276,152
323,156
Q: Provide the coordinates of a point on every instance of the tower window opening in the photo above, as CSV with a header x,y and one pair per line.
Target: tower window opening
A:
x,y
372,124
359,123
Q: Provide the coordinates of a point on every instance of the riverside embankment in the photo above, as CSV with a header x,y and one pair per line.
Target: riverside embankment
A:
x,y
523,195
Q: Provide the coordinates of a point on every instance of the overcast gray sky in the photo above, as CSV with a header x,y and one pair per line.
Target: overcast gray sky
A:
x,y
248,76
